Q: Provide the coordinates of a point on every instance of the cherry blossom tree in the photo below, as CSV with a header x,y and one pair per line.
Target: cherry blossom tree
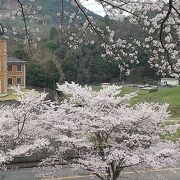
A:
x,y
106,135
95,131
19,126
160,19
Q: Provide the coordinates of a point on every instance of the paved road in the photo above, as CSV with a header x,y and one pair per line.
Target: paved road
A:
x,y
19,174
29,174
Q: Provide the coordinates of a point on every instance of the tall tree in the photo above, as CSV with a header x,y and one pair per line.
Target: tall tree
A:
x,y
107,136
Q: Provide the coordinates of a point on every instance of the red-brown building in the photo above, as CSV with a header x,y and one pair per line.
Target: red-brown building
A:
x,y
12,70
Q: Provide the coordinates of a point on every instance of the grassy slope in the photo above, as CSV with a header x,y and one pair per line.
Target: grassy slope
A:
x,y
11,95
48,15
170,96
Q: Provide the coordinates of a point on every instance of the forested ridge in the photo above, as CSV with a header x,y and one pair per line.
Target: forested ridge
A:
x,y
54,61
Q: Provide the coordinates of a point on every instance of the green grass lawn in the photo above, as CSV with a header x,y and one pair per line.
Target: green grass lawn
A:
x,y
11,95
170,96
96,87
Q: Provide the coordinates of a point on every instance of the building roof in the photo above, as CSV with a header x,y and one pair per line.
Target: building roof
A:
x,y
13,60
169,79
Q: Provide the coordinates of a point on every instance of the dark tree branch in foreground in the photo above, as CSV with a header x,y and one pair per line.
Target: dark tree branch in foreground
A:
x,y
89,21
112,5
162,26
25,25
118,7
170,7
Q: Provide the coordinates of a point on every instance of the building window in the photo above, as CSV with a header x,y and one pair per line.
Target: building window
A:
x,y
18,68
10,81
10,68
18,81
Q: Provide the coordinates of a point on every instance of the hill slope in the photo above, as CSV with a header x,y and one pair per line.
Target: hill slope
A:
x,y
48,8
170,96
47,14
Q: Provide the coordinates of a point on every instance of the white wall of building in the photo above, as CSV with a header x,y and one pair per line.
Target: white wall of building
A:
x,y
169,81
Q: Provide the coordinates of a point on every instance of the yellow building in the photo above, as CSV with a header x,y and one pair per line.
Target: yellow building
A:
x,y
12,70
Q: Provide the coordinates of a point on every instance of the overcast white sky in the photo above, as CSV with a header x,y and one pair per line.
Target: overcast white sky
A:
x,y
93,6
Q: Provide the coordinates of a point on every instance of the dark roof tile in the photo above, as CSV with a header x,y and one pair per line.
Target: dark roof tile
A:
x,y
13,60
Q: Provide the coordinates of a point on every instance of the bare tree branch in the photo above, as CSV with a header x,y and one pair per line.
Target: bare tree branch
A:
x,y
91,24
170,5
25,25
118,7
176,10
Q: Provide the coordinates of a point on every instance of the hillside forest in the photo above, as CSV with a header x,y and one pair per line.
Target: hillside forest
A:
x,y
54,61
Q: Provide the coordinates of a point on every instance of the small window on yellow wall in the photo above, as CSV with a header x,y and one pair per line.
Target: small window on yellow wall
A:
x,y
9,67
18,81
18,68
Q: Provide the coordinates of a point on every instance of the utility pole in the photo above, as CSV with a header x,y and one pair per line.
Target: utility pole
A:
x,y
60,4
62,19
